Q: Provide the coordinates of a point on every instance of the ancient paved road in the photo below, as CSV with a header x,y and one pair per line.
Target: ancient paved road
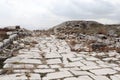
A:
x,y
52,59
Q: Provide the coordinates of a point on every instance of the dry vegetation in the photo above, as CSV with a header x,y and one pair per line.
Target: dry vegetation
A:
x,y
3,35
72,42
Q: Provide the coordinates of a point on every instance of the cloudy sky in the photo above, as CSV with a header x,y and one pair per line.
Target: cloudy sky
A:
x,y
43,14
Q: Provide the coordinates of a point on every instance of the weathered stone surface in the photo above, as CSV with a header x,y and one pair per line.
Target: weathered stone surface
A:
x,y
84,78
114,77
52,55
42,66
55,66
79,73
103,71
88,63
90,67
75,58
100,78
29,66
116,68
33,76
52,59
73,64
57,75
12,60
30,61
71,68
92,58
21,71
44,70
13,77
71,78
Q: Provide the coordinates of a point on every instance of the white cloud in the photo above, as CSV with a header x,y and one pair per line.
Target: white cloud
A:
x,y
34,14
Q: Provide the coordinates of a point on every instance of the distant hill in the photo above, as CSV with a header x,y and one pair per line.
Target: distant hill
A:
x,y
85,27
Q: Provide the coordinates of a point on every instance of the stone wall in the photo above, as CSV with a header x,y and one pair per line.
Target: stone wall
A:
x,y
12,35
6,42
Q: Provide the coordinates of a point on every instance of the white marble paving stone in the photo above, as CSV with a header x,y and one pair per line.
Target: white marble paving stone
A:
x,y
27,66
118,75
101,54
111,53
90,67
65,69
116,68
100,62
63,49
42,66
25,56
35,56
118,56
18,66
46,50
107,59
23,50
21,70
84,78
80,55
34,53
115,59
53,61
73,64
113,65
88,63
43,70
7,65
100,78
103,71
83,52
68,55
75,58
57,75
64,60
110,58
71,78
35,50
77,73
118,62
113,77
92,59
71,52
53,55
12,60
34,76
104,65
16,76
30,61
55,66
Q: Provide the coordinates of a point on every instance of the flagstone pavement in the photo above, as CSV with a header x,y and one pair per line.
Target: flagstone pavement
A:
x,y
52,59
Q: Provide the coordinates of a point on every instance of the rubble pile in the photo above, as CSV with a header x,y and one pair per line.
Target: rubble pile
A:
x,y
10,44
89,36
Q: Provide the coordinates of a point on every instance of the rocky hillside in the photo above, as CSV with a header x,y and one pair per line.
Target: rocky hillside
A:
x,y
85,27
93,35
